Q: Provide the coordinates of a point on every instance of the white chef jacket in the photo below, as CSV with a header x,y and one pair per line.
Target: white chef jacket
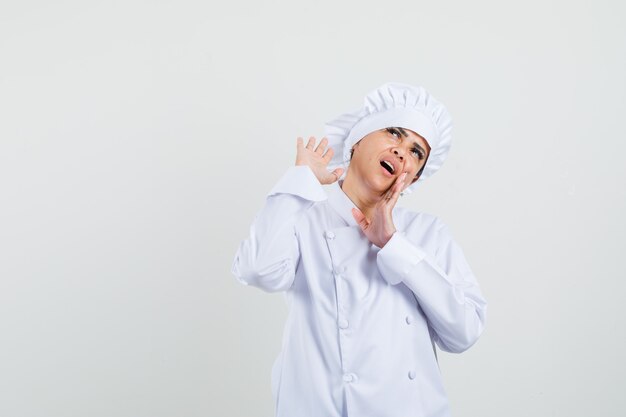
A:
x,y
360,335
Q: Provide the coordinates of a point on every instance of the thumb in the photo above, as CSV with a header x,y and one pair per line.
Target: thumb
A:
x,y
360,218
338,172
332,176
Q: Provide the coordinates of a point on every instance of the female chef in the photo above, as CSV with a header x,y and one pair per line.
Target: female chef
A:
x,y
372,288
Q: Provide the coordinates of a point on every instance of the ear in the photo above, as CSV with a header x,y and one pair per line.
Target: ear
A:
x,y
356,145
352,150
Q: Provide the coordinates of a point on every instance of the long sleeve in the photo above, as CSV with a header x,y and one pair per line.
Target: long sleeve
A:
x,y
443,284
268,257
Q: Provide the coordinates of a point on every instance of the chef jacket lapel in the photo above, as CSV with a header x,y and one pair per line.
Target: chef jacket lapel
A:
x,y
341,203
348,245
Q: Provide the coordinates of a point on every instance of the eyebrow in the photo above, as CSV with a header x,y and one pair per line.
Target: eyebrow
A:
x,y
407,135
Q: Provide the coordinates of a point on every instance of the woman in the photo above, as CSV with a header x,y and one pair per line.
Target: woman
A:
x,y
371,287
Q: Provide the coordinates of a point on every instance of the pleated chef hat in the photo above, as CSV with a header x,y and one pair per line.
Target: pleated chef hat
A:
x,y
394,104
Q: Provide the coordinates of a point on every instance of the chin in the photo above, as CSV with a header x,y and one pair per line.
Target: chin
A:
x,y
378,184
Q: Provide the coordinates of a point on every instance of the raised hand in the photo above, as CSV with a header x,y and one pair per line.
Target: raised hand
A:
x,y
380,227
317,160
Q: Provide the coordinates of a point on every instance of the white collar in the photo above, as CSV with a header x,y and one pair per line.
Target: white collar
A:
x,y
342,204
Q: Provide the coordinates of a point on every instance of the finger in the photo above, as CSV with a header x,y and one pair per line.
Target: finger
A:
x,y
311,142
300,143
335,175
360,218
328,155
398,185
388,195
321,146
397,189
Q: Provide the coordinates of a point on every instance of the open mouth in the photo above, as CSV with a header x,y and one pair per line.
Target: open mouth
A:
x,y
388,166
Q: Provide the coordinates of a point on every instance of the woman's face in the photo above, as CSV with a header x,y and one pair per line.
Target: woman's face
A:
x,y
382,155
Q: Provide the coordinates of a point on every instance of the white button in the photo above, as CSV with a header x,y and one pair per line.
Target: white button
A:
x,y
348,377
330,235
343,323
338,274
409,319
412,374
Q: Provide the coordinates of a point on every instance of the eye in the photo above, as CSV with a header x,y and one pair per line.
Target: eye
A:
x,y
393,131
418,152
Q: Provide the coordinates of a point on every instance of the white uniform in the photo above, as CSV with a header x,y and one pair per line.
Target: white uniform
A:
x,y
360,335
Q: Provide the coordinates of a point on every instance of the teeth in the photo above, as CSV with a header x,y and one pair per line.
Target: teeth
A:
x,y
389,165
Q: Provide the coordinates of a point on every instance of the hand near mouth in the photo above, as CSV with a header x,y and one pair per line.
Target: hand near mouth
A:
x,y
317,160
380,228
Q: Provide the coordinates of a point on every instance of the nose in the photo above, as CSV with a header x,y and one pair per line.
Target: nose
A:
x,y
399,153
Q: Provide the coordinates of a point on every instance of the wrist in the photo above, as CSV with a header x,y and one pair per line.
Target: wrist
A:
x,y
387,238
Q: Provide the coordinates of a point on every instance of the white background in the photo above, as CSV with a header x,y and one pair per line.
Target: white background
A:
x,y
138,140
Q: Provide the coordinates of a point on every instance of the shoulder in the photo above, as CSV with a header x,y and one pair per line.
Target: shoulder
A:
x,y
407,220
315,215
422,228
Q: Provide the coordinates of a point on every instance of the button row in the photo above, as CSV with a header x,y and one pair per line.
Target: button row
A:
x,y
343,323
348,377
340,270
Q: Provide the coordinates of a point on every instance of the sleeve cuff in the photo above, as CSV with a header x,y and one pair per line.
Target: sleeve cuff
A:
x,y
300,180
398,257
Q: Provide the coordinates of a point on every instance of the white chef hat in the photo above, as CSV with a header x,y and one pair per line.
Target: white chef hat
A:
x,y
394,104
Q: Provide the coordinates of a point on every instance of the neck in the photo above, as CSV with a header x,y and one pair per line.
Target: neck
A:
x,y
360,195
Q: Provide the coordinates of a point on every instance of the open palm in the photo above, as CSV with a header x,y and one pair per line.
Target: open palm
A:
x,y
380,228
317,160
